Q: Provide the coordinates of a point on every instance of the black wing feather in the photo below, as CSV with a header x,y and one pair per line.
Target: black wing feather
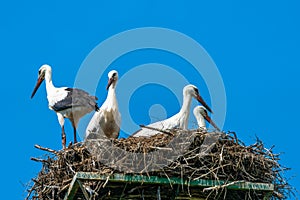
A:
x,y
76,98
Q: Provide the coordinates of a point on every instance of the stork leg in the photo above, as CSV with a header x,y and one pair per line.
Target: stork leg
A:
x,y
63,137
61,121
75,132
74,124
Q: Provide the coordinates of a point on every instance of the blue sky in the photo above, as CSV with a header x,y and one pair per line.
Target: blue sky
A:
x,y
255,46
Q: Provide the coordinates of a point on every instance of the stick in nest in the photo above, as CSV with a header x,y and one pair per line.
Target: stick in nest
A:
x,y
222,186
155,129
46,149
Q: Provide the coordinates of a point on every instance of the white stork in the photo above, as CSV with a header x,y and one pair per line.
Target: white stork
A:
x,y
179,120
201,114
66,102
107,119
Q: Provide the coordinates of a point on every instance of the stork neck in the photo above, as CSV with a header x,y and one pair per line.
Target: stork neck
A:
x,y
111,99
111,92
113,85
184,112
48,79
200,121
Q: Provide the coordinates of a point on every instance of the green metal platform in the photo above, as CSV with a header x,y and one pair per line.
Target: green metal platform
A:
x,y
154,180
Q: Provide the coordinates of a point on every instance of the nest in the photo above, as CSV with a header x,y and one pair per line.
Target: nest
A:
x,y
190,155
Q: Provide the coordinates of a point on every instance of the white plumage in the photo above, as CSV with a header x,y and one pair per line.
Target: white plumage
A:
x,y
179,120
201,115
108,119
66,102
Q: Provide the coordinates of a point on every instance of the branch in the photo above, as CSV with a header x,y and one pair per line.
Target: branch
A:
x,y
39,160
46,149
155,129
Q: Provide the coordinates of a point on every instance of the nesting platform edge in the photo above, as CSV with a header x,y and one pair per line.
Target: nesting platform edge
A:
x,y
155,180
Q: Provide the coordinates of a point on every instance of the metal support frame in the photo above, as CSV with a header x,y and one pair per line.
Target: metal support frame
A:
x,y
79,176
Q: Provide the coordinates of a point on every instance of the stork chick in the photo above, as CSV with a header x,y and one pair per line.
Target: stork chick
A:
x,y
201,115
179,120
108,119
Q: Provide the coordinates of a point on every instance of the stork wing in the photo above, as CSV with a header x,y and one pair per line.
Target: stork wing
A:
x,y
76,98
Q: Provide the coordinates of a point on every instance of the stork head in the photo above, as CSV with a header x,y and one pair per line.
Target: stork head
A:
x,y
201,111
44,69
194,92
112,79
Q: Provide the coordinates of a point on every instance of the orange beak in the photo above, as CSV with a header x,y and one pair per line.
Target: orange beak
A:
x,y
207,118
200,99
38,83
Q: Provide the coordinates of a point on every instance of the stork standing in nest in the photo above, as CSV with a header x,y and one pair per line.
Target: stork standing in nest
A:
x,y
179,120
201,115
67,102
108,119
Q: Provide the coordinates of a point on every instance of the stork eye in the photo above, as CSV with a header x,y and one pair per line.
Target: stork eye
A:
x,y
114,74
203,112
196,90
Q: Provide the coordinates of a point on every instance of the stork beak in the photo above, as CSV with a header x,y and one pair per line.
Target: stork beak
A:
x,y
207,118
110,81
200,99
38,83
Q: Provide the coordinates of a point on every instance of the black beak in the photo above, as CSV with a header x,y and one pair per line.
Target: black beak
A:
x,y
200,99
207,118
110,81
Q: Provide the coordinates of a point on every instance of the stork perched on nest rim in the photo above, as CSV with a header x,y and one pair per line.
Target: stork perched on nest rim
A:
x,y
179,120
108,119
67,102
200,114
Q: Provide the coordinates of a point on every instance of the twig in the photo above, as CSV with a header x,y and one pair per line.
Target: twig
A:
x,y
39,160
46,149
222,186
155,129
30,191
161,148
